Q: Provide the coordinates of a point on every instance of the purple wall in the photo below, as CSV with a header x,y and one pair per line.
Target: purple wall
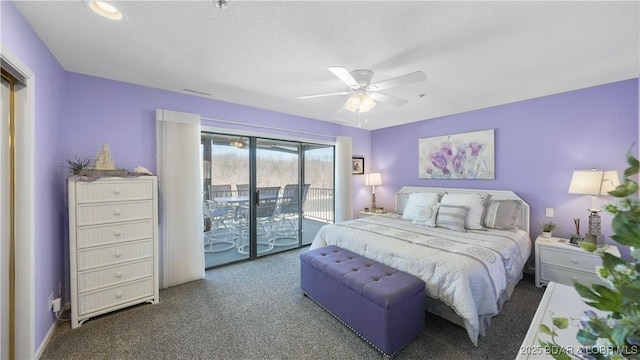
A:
x,y
19,38
538,144
101,111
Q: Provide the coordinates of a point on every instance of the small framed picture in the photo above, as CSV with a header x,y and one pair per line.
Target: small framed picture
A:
x,y
357,165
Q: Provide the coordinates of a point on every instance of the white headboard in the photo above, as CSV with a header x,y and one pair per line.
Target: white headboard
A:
x,y
523,219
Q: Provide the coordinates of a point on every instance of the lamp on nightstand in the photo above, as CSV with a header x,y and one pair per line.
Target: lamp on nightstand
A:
x,y
594,182
372,180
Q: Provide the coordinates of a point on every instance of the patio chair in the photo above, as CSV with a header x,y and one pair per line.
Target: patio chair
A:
x,y
289,210
242,189
220,230
265,213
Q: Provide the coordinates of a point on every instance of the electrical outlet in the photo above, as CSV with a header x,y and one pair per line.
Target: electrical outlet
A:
x,y
548,212
56,304
50,301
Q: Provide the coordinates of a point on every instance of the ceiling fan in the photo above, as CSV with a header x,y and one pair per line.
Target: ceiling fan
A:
x,y
364,94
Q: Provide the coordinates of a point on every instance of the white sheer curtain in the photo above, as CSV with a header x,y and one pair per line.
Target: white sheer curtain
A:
x,y
343,196
180,198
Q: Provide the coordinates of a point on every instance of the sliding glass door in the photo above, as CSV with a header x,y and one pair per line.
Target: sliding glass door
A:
x,y
263,196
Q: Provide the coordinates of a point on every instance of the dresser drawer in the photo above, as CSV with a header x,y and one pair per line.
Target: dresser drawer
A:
x,y
107,298
578,260
568,277
108,191
113,212
113,275
92,258
114,233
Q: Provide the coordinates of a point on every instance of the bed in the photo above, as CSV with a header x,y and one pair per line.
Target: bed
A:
x,y
470,258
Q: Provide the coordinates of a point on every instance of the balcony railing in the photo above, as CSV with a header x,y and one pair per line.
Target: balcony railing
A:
x,y
319,205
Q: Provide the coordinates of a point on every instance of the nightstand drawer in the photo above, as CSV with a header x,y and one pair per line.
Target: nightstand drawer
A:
x,y
578,260
565,276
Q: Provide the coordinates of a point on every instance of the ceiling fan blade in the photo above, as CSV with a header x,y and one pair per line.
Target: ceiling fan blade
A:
x,y
344,75
323,95
399,81
387,99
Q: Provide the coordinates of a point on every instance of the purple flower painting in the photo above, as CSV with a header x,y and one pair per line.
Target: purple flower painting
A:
x,y
461,156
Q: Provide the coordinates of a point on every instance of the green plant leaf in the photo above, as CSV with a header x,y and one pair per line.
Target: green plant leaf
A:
x,y
560,323
603,330
546,330
587,246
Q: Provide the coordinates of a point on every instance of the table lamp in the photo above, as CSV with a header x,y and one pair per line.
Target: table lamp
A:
x,y
594,182
372,180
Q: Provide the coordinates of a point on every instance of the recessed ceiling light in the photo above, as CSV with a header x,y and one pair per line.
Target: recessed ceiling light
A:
x,y
107,10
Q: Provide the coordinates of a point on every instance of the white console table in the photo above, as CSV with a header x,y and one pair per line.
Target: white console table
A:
x,y
558,301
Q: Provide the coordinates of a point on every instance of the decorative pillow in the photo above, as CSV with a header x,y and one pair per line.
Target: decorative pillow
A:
x,y
475,202
452,217
419,199
502,214
401,201
425,215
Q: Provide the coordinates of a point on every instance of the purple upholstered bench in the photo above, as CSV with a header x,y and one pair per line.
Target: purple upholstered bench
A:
x,y
383,305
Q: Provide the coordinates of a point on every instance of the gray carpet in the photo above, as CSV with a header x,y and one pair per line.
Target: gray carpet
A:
x,y
255,310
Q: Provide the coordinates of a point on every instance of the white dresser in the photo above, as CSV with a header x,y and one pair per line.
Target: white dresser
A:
x,y
113,245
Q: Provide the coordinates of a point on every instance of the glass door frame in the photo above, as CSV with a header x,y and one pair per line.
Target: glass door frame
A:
x,y
254,138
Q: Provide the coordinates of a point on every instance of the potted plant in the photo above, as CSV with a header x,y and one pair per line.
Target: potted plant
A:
x,y
616,335
79,163
547,228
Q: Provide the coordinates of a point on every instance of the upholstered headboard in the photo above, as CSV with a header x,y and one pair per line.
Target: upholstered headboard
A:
x,y
523,219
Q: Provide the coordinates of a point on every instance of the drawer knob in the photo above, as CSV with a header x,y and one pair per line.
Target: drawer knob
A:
x,y
118,274
116,191
116,212
119,294
574,261
117,233
118,253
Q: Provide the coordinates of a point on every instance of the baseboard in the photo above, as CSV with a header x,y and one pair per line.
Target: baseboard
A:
x,y
43,345
45,341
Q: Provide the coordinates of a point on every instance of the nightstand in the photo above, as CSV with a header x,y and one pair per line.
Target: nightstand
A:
x,y
559,261
370,213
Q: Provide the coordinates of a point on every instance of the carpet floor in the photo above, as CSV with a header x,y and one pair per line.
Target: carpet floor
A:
x,y
256,310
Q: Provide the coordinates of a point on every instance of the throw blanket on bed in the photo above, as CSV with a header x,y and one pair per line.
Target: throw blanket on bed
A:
x,y
467,271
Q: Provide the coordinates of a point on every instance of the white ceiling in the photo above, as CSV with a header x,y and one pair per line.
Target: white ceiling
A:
x,y
266,53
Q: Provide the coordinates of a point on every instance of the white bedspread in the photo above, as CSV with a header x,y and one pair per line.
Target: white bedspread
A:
x,y
467,271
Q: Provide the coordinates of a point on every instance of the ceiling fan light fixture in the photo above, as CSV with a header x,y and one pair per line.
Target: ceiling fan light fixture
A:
x,y
360,102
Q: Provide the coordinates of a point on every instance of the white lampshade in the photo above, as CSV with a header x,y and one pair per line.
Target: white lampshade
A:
x,y
593,182
373,179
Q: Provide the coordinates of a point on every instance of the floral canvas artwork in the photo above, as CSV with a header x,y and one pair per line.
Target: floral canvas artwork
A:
x,y
460,156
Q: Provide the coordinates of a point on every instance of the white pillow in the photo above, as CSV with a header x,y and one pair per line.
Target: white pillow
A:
x,y
425,215
475,202
419,199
